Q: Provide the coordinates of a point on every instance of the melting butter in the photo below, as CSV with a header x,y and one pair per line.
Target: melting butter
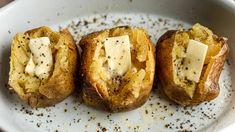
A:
x,y
41,60
194,60
30,66
118,54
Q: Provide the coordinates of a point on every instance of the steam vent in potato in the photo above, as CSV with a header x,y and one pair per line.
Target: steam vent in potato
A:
x,y
42,66
189,64
117,68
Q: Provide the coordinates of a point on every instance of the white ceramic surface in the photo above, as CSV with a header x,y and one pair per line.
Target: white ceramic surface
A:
x,y
82,17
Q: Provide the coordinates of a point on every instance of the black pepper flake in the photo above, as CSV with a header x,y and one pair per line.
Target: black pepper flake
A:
x,y
94,20
104,129
85,23
146,111
167,125
38,125
65,110
98,124
41,114
19,46
43,55
177,120
102,23
79,22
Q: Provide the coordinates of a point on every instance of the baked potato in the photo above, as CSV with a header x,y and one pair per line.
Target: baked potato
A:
x,y
43,65
117,68
171,53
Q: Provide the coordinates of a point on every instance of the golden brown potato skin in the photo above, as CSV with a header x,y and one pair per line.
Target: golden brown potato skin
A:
x,y
60,84
206,89
93,92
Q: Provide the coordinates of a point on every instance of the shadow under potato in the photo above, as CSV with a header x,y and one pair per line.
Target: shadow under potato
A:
x,y
4,72
158,90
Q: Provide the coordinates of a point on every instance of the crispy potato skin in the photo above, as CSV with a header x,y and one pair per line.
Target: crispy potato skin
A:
x,y
61,82
206,89
93,93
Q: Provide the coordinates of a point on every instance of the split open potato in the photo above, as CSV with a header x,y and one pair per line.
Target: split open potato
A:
x,y
117,68
43,66
189,64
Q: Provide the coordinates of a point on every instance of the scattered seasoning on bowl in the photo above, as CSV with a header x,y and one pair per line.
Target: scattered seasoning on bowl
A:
x,y
159,108
41,114
38,124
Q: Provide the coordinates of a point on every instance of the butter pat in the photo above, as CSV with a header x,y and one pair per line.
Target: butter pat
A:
x,y
194,60
118,54
41,60
30,66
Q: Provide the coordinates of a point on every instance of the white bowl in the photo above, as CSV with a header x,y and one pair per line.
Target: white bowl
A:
x,y
156,16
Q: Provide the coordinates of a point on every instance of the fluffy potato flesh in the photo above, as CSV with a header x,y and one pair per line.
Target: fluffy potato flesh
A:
x,y
41,92
171,52
114,92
